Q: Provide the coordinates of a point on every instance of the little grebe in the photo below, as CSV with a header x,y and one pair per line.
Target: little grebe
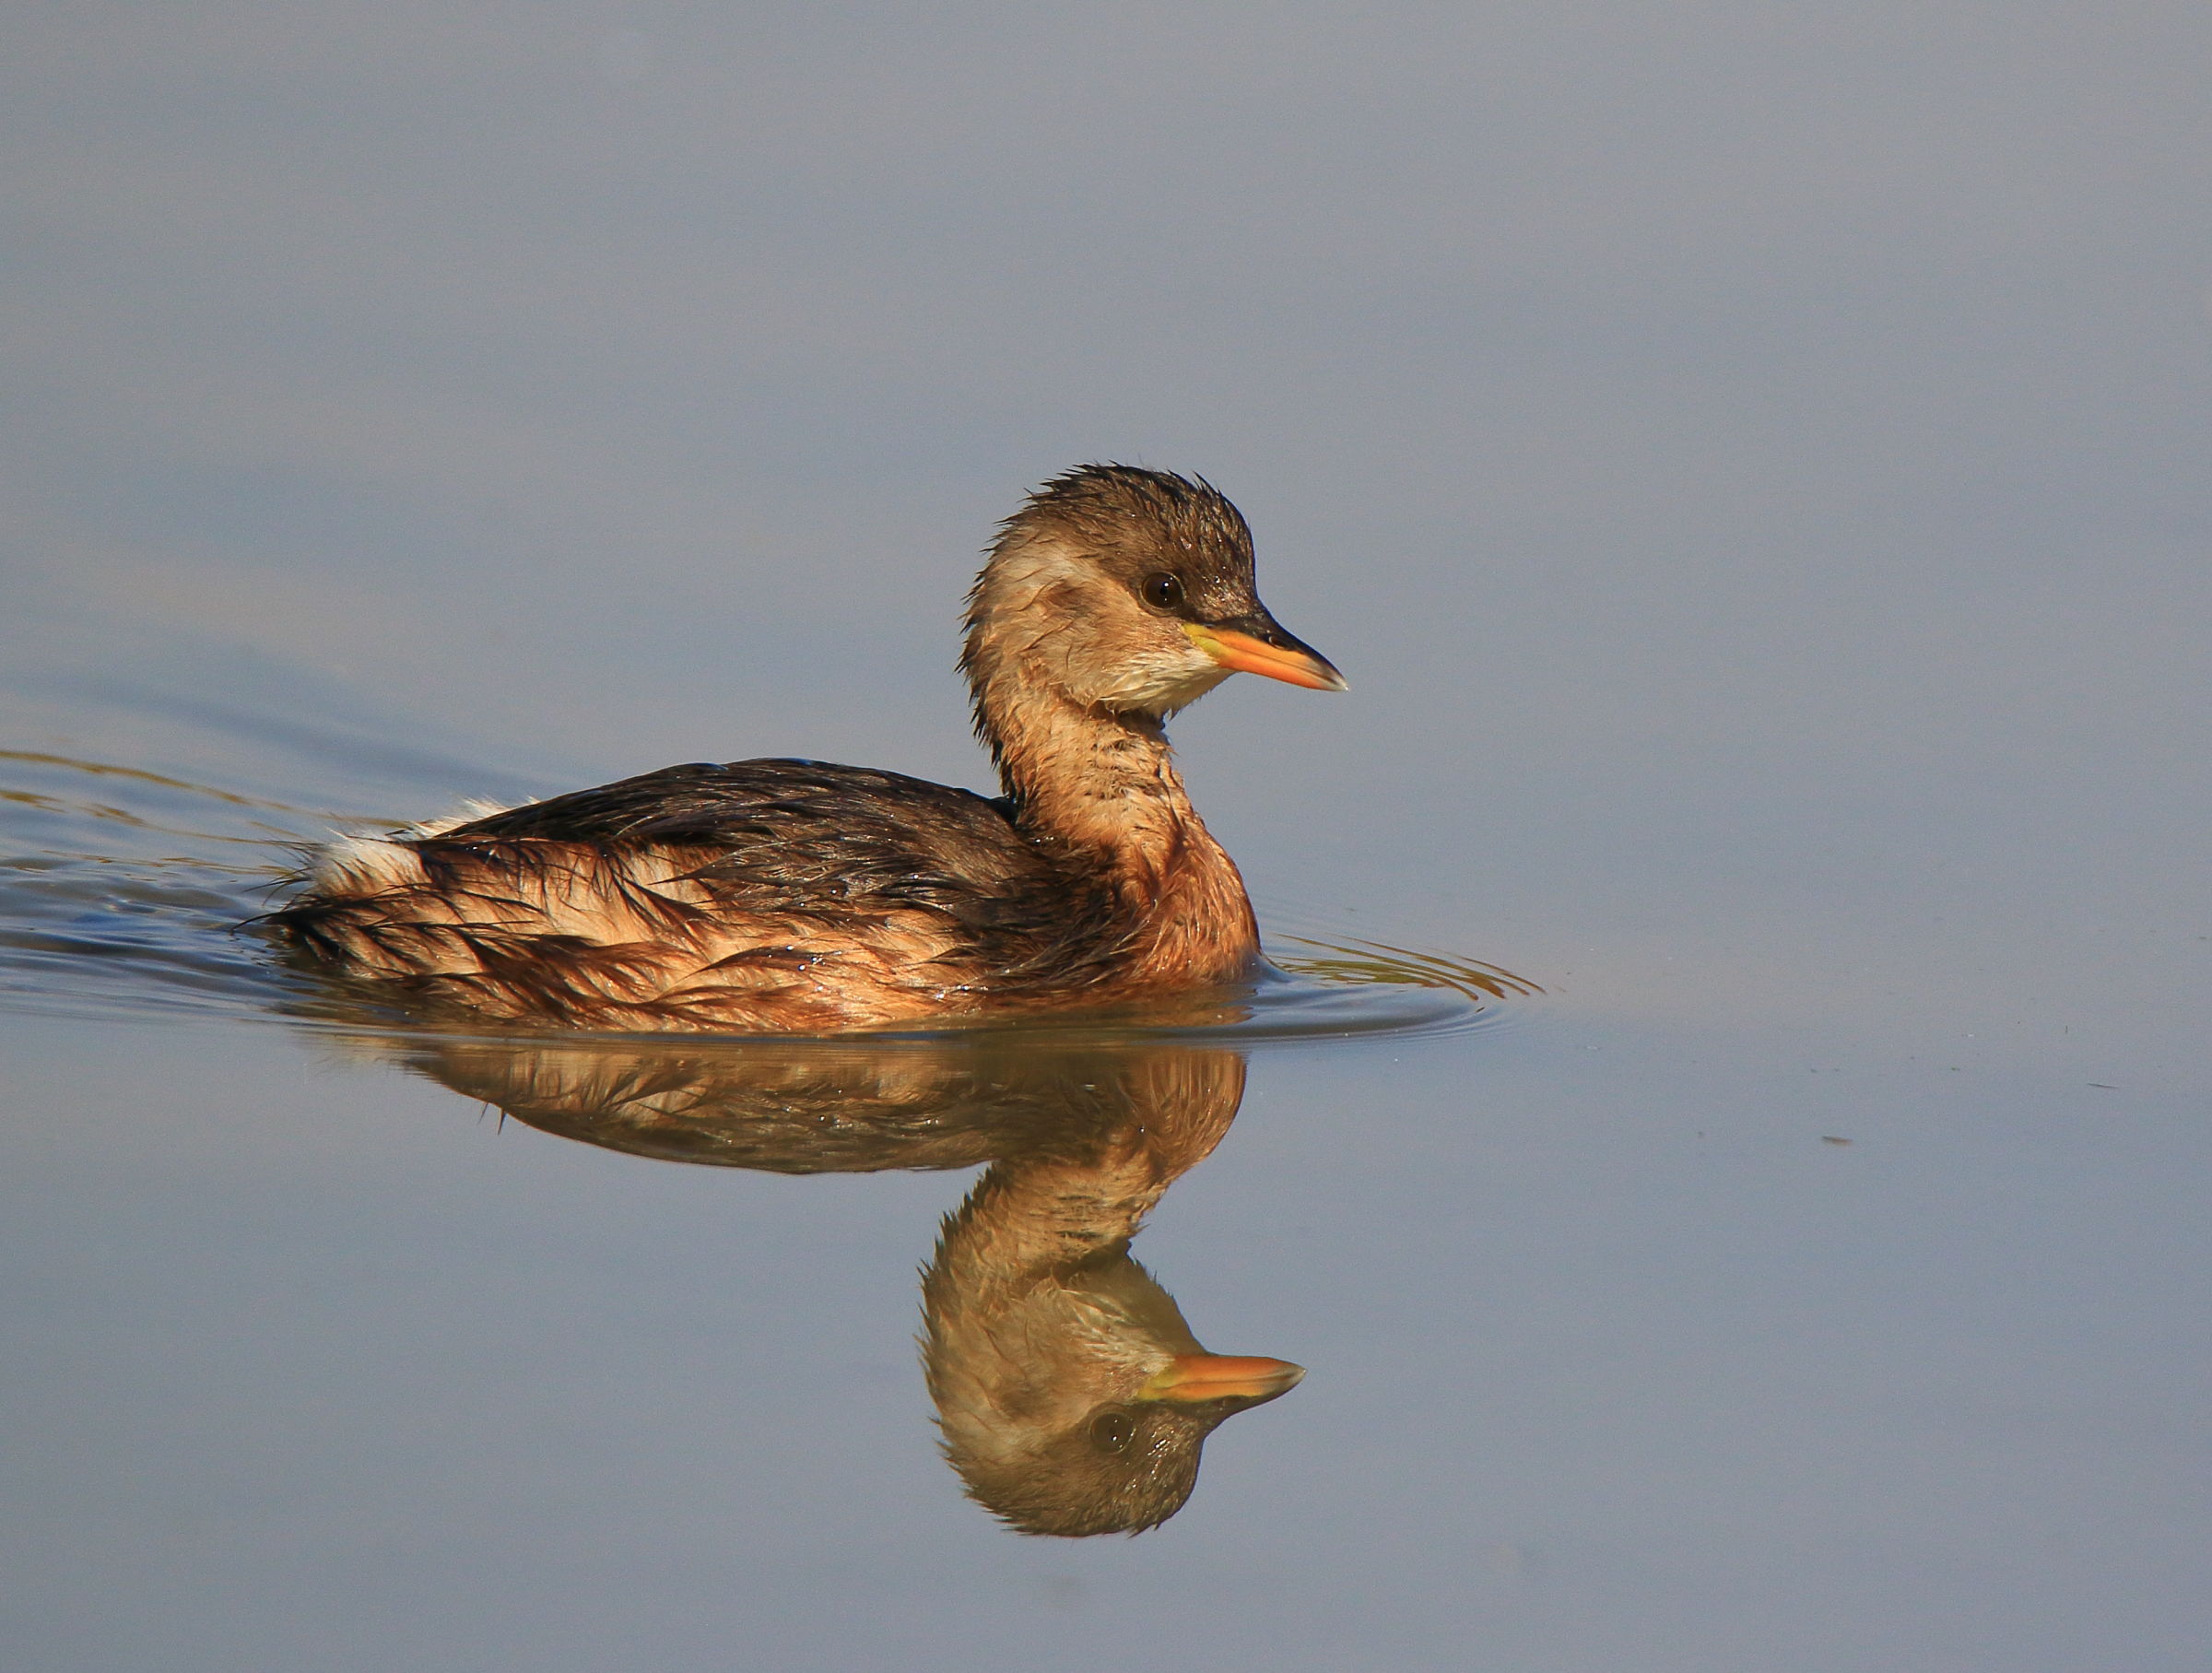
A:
x,y
800,896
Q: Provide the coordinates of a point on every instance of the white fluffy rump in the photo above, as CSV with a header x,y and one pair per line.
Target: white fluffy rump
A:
x,y
364,866
369,866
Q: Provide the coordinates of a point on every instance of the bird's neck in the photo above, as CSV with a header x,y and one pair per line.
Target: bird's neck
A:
x,y
1102,789
1033,1216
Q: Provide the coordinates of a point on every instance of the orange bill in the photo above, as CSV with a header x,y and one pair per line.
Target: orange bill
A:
x,y
1278,655
1190,1377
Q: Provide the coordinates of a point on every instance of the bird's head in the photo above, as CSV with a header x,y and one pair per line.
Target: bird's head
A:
x,y
1126,590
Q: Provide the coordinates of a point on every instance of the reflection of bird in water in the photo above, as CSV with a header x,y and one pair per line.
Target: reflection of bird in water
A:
x,y
795,895
1072,1396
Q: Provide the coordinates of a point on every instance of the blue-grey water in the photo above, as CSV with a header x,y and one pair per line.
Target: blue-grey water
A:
x,y
1731,1146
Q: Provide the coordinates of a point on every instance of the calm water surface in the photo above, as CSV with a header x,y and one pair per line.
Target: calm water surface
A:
x,y
1729,1145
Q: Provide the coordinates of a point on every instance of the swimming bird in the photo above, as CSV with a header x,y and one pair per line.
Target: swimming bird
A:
x,y
802,896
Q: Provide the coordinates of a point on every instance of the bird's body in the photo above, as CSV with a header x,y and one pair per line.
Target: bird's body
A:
x,y
803,896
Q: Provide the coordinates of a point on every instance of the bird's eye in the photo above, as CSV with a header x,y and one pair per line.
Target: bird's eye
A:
x,y
1162,592
1110,1432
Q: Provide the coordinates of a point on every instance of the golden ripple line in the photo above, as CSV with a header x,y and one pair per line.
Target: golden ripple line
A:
x,y
1377,962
